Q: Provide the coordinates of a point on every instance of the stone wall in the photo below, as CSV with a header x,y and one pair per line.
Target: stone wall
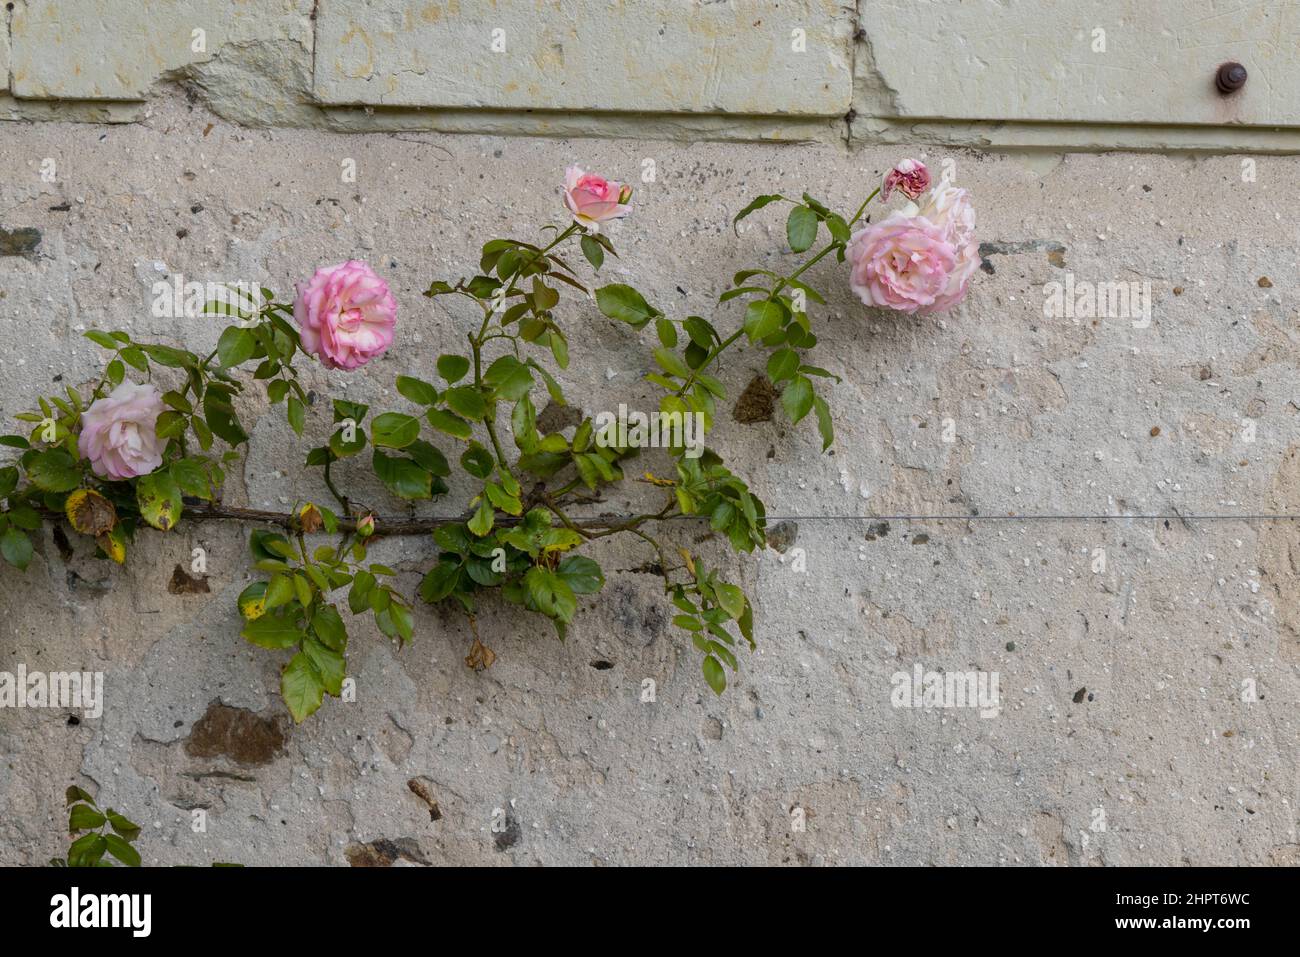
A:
x,y
1149,666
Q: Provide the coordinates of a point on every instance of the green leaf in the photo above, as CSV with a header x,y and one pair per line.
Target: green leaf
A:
x,y
701,332
297,414
625,304
16,548
428,457
509,378
402,477
560,349
301,687
782,364
127,829
439,582
801,228
477,461
136,359
671,363
551,594
453,425
221,419
394,430
279,591
167,356
797,398
302,588
582,574
123,851
730,598
482,521
667,332
762,318
839,229
417,390
824,424
54,470
273,631
263,544
755,205
523,424
191,477
402,620
714,675
235,346
591,249
86,850
159,498
83,818
101,338
466,401
329,664
452,367
328,626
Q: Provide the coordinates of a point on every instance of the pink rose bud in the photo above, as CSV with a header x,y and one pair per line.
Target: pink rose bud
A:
x,y
118,432
909,177
366,526
593,200
910,264
345,315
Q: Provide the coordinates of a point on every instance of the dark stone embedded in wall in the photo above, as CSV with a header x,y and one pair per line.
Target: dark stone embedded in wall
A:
x,y
19,242
237,734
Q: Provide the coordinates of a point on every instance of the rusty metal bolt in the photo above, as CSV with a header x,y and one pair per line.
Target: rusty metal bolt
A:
x,y
1230,78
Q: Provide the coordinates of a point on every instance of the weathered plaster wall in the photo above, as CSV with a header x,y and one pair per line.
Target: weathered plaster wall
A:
x,y
1078,74
1122,687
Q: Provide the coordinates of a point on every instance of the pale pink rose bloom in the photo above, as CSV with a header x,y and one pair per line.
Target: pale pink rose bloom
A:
x,y
118,432
345,315
593,200
909,177
902,263
950,208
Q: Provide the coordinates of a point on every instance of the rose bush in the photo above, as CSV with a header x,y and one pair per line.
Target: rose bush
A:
x,y
133,455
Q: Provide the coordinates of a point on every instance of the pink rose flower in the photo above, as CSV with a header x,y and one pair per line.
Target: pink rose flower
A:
x,y
593,200
345,315
950,209
909,177
902,263
118,432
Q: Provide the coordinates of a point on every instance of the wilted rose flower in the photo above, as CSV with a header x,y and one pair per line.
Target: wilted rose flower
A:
x,y
310,519
909,177
118,432
901,263
593,200
345,315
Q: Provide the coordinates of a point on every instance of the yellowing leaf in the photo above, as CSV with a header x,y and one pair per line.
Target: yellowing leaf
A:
x,y
252,601
113,544
90,513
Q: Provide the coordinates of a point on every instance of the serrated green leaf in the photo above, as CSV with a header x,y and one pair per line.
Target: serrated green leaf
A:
x,y
301,687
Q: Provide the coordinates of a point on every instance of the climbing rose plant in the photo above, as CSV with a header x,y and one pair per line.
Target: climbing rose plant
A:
x,y
133,453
